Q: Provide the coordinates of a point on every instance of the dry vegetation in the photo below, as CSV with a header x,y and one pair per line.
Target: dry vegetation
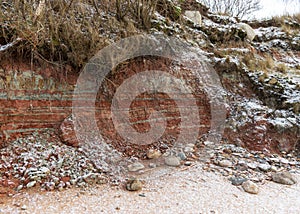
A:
x,y
69,32
264,63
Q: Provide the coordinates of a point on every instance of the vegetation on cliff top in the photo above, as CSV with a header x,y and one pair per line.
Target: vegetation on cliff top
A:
x,y
70,32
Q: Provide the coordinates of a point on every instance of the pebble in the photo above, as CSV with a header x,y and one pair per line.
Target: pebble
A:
x,y
236,181
276,160
188,163
264,167
188,150
134,184
135,167
142,195
182,156
31,184
172,161
284,161
252,165
24,207
274,169
19,187
152,165
153,154
208,143
250,187
45,170
225,163
285,178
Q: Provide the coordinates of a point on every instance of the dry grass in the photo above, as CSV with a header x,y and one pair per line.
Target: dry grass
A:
x,y
282,68
255,63
68,32
58,32
290,24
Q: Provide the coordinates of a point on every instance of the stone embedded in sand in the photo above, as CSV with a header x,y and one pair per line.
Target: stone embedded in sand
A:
x,y
153,154
252,165
31,184
172,161
264,167
135,167
250,187
236,181
225,163
134,184
284,178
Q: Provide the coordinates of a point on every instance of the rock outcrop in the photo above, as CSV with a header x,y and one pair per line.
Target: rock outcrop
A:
x,y
194,16
249,31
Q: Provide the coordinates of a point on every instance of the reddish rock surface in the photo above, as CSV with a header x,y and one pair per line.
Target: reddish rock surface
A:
x,y
261,135
30,102
141,108
67,132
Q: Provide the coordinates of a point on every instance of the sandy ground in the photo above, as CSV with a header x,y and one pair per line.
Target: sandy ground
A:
x,y
184,190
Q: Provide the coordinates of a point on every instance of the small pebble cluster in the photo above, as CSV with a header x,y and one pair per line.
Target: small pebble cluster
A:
x,y
237,163
242,167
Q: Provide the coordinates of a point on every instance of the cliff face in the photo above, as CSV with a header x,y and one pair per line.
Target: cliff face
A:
x,y
261,79
30,102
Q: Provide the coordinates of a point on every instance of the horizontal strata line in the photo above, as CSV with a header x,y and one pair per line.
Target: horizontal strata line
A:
x,y
48,91
156,99
36,98
28,123
27,130
37,109
157,120
32,114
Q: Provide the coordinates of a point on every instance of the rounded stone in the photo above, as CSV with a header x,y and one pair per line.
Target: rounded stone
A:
x,y
284,178
252,165
250,187
135,167
172,161
31,184
236,181
153,154
225,163
189,149
264,167
134,185
182,156
188,163
152,165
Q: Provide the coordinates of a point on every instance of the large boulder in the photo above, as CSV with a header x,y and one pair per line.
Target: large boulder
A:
x,y
67,132
194,16
249,30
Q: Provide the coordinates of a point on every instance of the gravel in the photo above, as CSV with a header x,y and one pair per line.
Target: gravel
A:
x,y
42,160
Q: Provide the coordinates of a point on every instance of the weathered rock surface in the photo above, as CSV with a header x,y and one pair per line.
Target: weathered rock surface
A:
x,y
194,16
250,187
134,185
153,154
172,161
284,178
135,167
249,30
67,132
